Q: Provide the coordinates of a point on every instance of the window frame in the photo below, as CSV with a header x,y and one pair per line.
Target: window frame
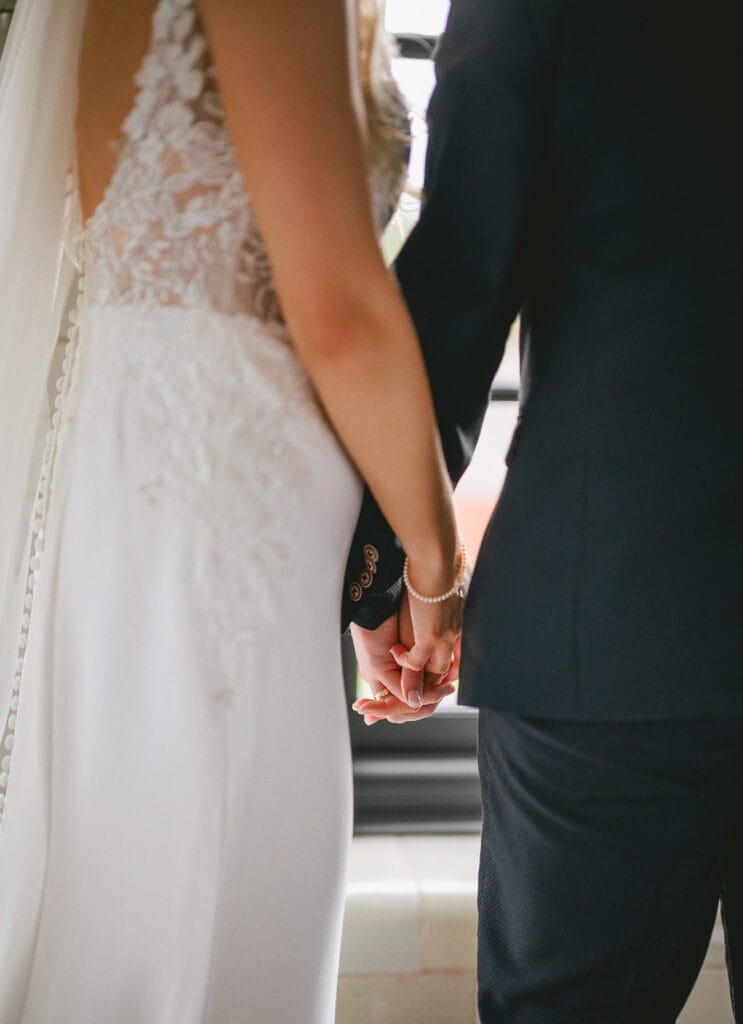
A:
x,y
6,13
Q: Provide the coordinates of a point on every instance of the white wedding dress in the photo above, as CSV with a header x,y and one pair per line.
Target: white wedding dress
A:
x,y
176,782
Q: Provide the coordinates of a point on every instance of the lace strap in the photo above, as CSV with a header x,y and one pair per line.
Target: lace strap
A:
x,y
170,66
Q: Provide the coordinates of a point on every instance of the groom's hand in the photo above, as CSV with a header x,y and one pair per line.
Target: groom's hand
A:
x,y
376,663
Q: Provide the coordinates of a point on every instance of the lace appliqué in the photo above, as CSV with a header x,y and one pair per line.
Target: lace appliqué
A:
x,y
219,428
175,225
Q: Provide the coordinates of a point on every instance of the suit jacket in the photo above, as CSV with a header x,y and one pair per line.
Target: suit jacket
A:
x,y
585,169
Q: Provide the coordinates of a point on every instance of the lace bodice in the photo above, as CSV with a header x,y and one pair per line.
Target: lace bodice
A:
x,y
175,226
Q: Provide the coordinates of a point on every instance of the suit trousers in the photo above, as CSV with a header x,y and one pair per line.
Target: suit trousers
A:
x,y
606,848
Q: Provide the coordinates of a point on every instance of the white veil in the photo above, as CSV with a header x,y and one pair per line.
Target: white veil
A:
x,y
38,97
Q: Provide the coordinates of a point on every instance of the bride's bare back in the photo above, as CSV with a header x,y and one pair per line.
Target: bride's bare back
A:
x,y
115,41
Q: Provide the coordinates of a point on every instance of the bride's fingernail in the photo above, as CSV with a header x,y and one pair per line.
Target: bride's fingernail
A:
x,y
415,699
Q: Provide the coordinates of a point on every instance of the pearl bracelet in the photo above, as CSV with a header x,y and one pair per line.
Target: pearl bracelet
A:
x,y
459,582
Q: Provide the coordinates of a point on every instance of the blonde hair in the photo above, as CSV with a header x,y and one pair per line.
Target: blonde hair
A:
x,y
386,112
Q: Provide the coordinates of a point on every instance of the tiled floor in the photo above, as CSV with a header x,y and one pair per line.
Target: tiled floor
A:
x,y
409,949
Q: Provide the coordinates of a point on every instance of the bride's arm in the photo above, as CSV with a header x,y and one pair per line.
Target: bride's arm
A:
x,y
294,109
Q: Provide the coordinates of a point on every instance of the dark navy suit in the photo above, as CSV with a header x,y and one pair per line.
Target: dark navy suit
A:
x,y
585,170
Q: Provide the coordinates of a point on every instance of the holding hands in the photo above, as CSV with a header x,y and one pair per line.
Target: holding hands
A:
x,y
411,660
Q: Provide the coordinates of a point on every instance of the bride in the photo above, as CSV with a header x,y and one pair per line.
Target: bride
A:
x,y
175,787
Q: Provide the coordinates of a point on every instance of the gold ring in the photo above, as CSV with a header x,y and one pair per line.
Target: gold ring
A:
x,y
381,694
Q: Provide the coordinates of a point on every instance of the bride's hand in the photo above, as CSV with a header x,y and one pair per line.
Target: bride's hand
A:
x,y
430,633
392,709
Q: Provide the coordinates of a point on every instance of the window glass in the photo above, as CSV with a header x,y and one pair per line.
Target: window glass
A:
x,y
416,17
415,78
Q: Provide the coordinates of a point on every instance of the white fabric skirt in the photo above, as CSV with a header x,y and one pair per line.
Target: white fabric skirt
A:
x,y
178,812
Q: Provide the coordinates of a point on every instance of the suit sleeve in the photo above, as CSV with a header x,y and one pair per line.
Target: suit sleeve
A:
x,y
463,271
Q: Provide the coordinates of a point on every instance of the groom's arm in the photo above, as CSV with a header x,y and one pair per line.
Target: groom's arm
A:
x,y
463,269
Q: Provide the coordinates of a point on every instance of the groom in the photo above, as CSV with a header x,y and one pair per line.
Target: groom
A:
x,y
585,170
